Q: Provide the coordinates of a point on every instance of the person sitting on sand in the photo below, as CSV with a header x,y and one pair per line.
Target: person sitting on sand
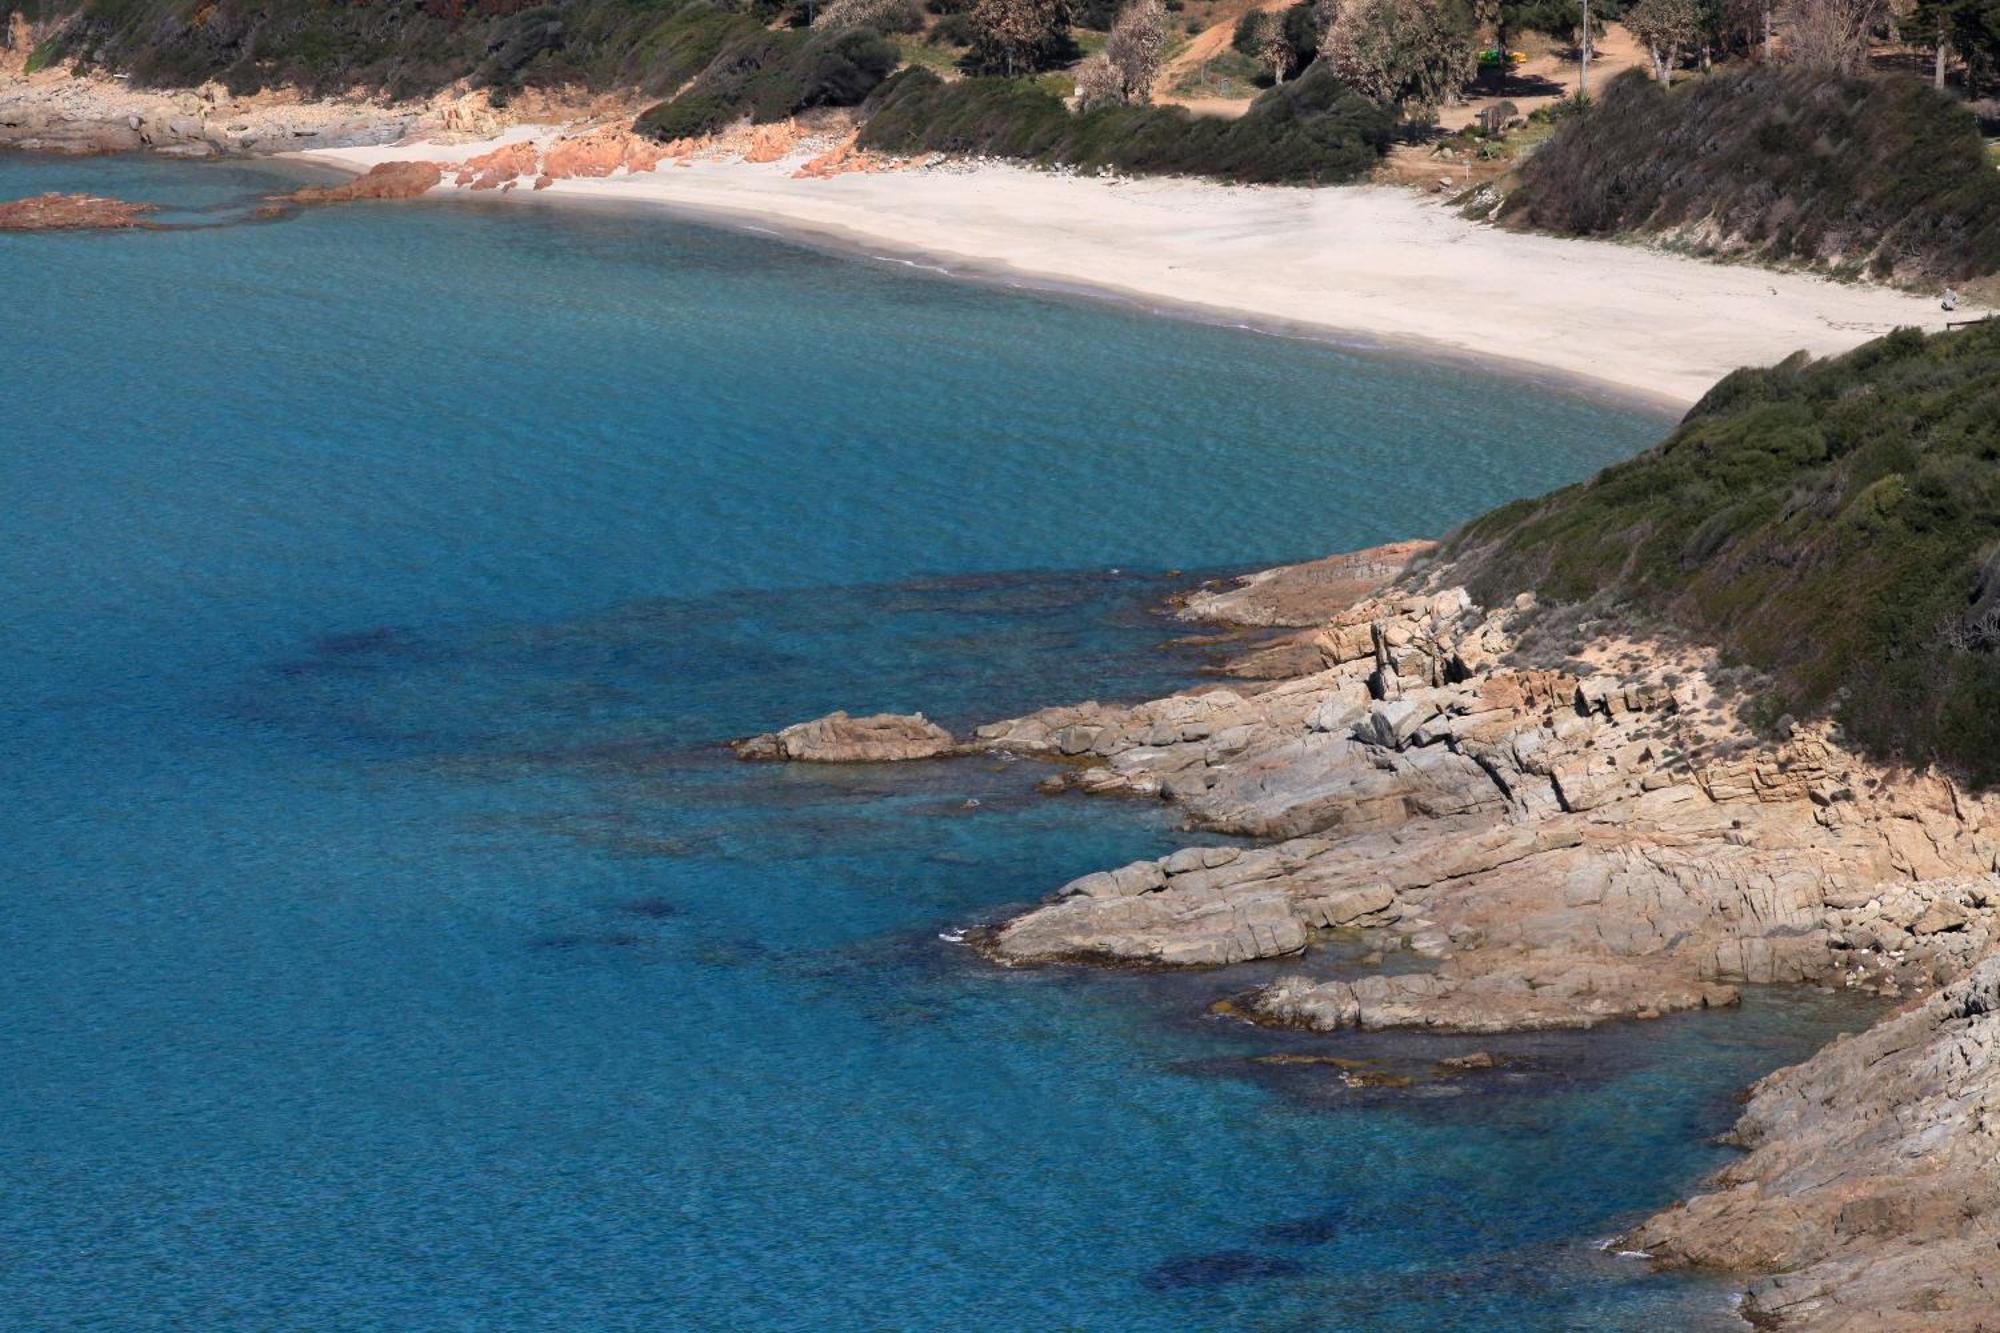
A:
x,y
1950,301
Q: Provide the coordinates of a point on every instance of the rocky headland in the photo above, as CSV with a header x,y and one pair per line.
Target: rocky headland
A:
x,y
1517,834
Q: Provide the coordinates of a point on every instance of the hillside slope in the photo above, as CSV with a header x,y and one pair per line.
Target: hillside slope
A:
x,y
1835,523
1876,175
397,50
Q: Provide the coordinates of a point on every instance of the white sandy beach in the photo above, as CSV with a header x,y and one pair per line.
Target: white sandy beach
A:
x,y
1378,263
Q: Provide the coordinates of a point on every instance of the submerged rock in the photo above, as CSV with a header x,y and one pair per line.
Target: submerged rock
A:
x,y
840,739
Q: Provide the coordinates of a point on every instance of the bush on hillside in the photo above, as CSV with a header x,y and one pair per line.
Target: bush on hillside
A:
x,y
689,116
951,30
408,49
1312,129
768,75
1834,523
1784,165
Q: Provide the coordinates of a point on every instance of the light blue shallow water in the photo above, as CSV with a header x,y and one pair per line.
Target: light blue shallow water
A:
x,y
387,944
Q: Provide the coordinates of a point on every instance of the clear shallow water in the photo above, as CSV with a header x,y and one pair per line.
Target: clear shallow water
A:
x,y
388,945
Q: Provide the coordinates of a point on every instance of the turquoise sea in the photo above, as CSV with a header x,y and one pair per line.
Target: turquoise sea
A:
x,y
388,944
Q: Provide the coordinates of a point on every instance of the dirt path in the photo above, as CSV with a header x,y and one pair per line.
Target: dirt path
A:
x,y
1549,75
1206,45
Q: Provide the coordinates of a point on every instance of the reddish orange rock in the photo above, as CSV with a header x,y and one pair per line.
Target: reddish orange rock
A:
x,y
600,153
70,212
386,180
769,143
843,157
489,171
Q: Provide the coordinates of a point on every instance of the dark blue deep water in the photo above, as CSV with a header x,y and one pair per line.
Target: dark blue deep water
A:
x,y
388,944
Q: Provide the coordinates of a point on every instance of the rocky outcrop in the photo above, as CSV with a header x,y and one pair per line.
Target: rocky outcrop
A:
x,y
500,166
600,152
385,180
1305,594
1869,1190
840,739
71,212
1537,990
1505,844
53,111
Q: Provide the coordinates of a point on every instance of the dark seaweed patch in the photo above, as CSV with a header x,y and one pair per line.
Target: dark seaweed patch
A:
x,y
608,940
653,909
1220,1269
1317,1230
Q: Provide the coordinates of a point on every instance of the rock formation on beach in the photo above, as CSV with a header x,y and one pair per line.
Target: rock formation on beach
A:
x,y
386,180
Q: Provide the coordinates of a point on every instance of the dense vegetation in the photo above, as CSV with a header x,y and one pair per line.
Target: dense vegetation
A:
x,y
767,74
1834,523
1314,128
402,47
1793,165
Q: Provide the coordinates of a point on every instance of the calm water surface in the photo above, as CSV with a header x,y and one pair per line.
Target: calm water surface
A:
x,y
389,945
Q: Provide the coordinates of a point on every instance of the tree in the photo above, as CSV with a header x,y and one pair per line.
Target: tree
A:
x,y
1831,34
1274,49
1667,27
1137,43
1969,29
1018,36
1415,54
1098,83
881,15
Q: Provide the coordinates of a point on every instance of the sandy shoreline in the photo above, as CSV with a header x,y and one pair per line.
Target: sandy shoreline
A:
x,y
1379,265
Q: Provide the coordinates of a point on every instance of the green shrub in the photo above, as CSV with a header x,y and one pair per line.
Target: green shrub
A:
x,y
686,117
1785,165
951,30
768,75
1834,523
1097,15
1248,29
407,49
1312,129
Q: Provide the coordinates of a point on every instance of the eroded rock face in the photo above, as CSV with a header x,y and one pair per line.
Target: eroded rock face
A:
x,y
71,212
1871,1179
840,739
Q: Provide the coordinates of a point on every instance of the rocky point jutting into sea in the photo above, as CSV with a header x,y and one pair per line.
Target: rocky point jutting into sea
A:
x,y
1527,844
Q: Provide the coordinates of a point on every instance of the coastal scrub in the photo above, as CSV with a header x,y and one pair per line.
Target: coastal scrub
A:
x,y
1835,523
1314,129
